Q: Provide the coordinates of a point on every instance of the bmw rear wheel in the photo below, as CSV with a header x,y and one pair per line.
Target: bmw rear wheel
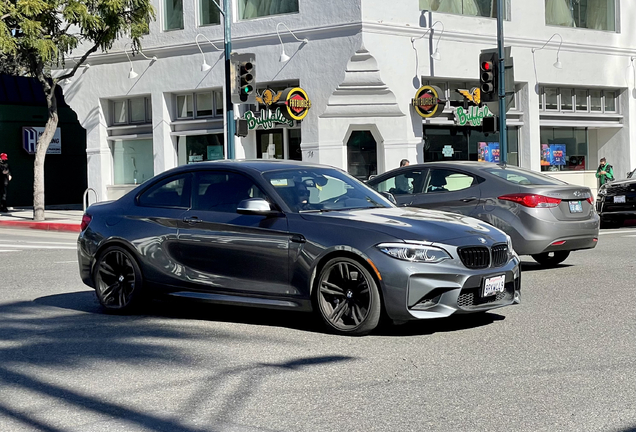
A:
x,y
347,297
551,258
118,280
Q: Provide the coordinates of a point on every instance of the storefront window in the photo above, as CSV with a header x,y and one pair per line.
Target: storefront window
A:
x,y
483,8
362,155
198,105
465,143
209,13
564,149
132,161
137,110
200,148
590,14
205,105
294,145
249,9
173,14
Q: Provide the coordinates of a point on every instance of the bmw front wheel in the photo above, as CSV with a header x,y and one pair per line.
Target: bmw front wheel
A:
x,y
347,297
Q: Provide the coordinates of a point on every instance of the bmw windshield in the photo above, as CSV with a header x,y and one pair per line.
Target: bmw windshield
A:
x,y
319,189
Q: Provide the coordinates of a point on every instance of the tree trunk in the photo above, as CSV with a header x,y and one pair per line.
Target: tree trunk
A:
x,y
42,147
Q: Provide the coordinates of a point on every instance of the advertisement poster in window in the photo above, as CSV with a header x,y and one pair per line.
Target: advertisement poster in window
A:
x,y
557,154
488,152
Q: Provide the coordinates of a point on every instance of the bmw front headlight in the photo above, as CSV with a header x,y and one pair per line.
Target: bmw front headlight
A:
x,y
602,190
414,252
511,250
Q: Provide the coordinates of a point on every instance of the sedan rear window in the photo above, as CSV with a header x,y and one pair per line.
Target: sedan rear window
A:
x,y
523,177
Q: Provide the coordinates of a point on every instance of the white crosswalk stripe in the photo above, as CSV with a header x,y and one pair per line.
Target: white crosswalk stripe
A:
x,y
17,246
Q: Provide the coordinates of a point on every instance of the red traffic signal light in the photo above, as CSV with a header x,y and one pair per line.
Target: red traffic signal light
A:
x,y
486,66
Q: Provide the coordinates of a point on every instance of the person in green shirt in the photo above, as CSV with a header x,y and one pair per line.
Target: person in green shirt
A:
x,y
604,172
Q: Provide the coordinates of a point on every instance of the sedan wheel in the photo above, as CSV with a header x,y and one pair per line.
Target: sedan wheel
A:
x,y
348,297
550,259
118,280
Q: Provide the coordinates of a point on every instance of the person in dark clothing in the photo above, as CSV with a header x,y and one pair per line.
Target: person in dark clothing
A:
x,y
5,178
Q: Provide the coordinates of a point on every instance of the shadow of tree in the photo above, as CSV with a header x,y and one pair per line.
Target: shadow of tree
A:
x,y
37,336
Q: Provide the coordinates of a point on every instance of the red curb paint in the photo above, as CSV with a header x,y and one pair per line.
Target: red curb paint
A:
x,y
48,226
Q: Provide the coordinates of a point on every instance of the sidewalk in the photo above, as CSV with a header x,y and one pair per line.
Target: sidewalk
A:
x,y
56,219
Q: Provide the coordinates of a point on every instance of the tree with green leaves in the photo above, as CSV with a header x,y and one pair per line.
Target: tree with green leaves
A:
x,y
37,36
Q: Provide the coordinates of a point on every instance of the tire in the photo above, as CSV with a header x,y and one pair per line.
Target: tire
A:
x,y
118,281
347,297
550,259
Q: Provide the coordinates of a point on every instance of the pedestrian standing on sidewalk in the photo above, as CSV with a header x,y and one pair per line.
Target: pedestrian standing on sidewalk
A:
x,y
604,172
5,178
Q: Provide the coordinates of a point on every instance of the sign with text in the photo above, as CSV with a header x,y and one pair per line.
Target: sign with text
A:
x,y
427,101
473,116
30,136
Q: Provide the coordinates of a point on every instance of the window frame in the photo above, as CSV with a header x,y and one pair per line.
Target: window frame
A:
x,y
507,12
603,101
217,111
200,17
239,19
128,106
165,17
578,27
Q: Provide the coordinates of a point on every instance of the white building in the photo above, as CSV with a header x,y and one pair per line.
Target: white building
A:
x,y
361,67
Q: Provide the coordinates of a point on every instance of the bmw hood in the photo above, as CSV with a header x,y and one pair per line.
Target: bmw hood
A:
x,y
409,223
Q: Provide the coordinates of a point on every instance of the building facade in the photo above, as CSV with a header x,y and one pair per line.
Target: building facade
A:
x,y
360,67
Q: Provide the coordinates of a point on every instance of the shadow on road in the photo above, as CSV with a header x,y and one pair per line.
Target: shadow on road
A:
x,y
441,325
35,344
527,266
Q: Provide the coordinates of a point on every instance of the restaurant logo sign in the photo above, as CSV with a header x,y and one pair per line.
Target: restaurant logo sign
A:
x,y
280,108
296,103
473,116
268,119
427,102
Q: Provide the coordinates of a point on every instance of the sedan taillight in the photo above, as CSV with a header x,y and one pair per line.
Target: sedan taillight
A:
x,y
532,200
86,219
590,199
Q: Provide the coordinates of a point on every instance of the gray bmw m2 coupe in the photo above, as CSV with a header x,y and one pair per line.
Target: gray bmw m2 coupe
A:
x,y
292,235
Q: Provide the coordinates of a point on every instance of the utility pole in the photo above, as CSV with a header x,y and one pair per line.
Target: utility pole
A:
x,y
503,132
230,126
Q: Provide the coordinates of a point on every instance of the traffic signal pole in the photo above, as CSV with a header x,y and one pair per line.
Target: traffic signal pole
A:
x,y
503,132
230,127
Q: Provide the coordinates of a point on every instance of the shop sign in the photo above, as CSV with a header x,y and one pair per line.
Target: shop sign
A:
x,y
473,96
31,135
267,120
474,115
427,102
296,103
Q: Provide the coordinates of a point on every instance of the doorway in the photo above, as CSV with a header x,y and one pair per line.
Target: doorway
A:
x,y
362,155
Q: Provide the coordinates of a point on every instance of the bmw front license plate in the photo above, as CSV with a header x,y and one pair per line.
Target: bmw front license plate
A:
x,y
494,285
619,199
576,207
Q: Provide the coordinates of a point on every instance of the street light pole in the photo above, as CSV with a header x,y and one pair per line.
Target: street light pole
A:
x,y
503,132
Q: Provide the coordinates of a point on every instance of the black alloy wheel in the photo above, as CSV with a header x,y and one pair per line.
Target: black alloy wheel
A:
x,y
118,280
550,259
348,298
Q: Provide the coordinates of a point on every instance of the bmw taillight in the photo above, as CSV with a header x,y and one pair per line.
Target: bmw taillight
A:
x,y
532,200
86,219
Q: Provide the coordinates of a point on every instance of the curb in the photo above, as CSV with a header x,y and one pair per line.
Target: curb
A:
x,y
48,226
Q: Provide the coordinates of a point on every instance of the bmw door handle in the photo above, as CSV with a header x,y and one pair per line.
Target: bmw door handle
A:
x,y
469,199
192,220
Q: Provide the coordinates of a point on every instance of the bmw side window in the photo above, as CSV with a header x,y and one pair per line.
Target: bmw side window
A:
x,y
173,192
443,180
223,191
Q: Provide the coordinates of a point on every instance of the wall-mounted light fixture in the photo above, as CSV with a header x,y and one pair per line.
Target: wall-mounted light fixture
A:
x,y
132,74
436,55
284,57
204,66
557,64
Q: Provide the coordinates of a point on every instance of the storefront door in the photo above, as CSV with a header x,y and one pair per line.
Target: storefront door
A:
x,y
362,155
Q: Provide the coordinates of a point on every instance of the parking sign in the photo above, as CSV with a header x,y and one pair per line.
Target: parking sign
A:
x,y
30,136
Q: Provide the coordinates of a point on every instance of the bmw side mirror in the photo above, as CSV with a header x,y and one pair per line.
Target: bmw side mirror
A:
x,y
389,196
256,206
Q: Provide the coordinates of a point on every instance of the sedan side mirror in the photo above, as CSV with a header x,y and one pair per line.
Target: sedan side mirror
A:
x,y
389,196
256,206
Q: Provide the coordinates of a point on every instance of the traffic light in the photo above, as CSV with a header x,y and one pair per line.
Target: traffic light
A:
x,y
243,69
488,74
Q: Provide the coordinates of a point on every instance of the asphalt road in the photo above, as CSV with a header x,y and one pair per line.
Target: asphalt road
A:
x,y
563,360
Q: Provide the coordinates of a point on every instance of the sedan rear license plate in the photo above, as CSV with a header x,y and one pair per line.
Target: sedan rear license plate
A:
x,y
619,199
494,285
576,207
